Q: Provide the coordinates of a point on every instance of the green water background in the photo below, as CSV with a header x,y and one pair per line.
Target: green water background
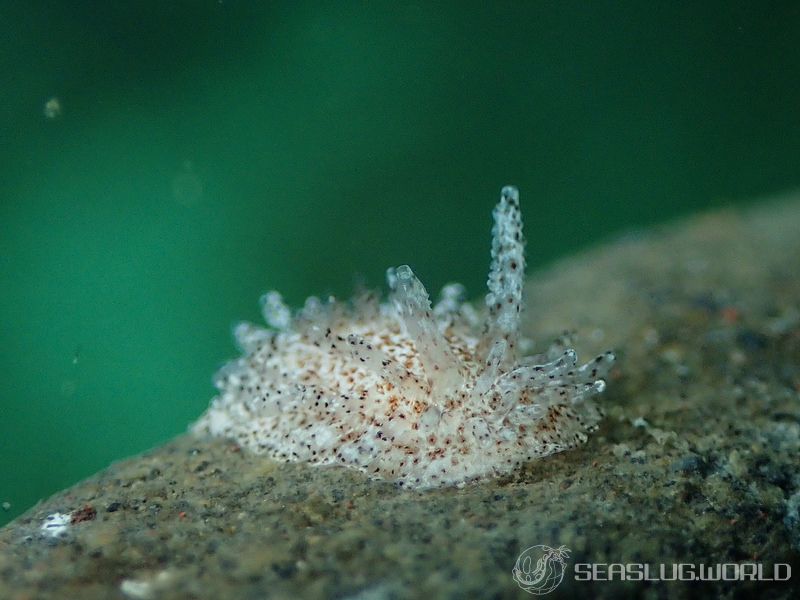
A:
x,y
209,151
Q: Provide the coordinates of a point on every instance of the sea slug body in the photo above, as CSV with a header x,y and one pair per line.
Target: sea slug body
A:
x,y
424,396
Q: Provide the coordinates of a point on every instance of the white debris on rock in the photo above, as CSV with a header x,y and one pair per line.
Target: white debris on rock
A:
x,y
56,525
425,396
149,587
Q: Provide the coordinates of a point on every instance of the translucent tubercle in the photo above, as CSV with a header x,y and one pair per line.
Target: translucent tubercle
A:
x,y
414,307
275,312
506,273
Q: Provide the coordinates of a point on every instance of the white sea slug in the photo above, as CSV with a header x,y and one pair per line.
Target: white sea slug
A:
x,y
402,391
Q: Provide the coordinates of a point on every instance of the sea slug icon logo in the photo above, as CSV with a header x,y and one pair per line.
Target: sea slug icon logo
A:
x,y
540,569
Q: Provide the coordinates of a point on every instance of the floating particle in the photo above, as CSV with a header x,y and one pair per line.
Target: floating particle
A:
x,y
52,108
401,390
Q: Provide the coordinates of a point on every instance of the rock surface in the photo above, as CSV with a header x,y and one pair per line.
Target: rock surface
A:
x,y
695,462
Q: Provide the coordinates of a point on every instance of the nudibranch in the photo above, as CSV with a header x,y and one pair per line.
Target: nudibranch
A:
x,y
400,390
